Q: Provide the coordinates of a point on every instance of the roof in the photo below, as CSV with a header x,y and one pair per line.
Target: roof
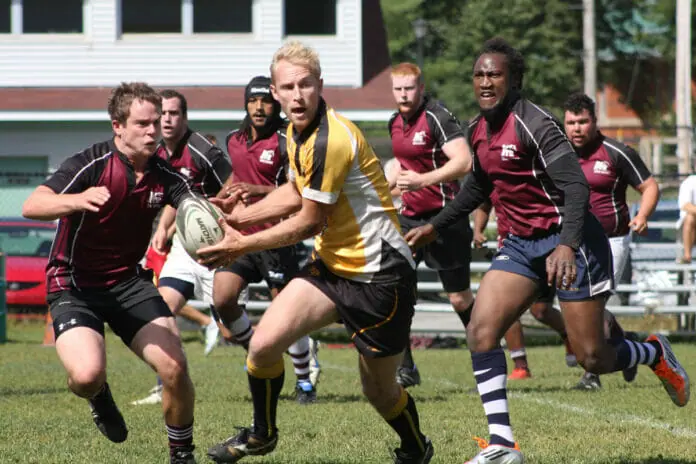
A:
x,y
205,103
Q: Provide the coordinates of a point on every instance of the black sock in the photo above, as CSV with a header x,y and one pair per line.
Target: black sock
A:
x,y
465,315
265,385
404,420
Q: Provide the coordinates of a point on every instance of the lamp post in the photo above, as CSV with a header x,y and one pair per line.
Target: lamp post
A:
x,y
420,28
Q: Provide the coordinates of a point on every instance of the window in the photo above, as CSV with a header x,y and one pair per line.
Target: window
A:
x,y
5,12
50,16
151,16
310,17
222,16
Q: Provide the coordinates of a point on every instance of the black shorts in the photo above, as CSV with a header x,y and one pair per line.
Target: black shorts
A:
x,y
377,316
127,307
277,267
449,255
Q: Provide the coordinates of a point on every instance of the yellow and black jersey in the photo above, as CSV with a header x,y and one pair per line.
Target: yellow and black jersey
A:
x,y
332,163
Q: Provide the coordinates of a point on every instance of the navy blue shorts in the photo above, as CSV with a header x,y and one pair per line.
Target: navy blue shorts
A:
x,y
593,259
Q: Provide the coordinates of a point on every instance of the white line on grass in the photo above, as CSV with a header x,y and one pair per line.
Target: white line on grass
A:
x,y
617,418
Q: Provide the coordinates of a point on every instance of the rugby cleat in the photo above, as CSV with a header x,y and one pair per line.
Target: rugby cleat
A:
x,y
588,381
182,455
673,376
520,373
154,397
402,457
245,443
212,333
107,417
314,366
305,392
408,377
496,454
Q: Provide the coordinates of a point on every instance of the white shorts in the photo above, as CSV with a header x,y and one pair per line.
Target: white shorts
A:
x,y
181,266
620,252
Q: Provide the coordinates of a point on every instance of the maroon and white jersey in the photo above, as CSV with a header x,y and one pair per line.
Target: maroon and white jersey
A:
x,y
513,157
610,167
202,163
263,161
417,145
96,250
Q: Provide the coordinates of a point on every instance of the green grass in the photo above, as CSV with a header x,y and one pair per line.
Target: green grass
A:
x,y
40,422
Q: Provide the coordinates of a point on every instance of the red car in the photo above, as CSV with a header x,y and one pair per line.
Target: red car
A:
x,y
26,244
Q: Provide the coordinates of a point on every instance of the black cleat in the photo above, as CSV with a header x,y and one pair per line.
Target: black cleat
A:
x,y
408,377
245,443
305,392
402,457
107,417
629,374
182,455
588,381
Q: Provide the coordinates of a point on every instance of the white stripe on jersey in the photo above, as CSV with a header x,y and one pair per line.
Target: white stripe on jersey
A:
x,y
191,147
84,168
627,159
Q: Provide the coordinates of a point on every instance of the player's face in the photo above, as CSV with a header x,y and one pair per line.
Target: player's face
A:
x,y
580,128
260,110
174,123
298,92
491,80
407,93
141,130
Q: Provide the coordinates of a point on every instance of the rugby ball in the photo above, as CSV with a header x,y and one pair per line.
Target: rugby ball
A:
x,y
197,224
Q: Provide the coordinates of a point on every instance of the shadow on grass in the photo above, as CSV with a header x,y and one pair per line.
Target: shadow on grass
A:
x,y
5,392
656,460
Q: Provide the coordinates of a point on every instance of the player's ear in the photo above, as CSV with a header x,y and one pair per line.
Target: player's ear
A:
x,y
274,92
117,127
321,85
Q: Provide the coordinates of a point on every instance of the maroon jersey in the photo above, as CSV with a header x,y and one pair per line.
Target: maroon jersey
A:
x,y
263,161
204,165
94,250
610,167
513,159
417,145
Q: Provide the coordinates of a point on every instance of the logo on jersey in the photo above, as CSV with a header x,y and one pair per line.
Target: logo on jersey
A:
x,y
186,172
601,167
155,200
509,152
419,138
267,156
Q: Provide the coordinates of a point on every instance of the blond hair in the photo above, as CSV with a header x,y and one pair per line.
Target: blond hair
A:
x,y
297,53
406,69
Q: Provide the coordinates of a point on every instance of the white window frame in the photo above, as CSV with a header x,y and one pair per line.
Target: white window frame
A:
x,y
17,20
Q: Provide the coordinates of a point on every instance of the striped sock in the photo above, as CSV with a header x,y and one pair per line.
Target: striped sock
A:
x,y
180,435
490,370
241,329
299,352
630,353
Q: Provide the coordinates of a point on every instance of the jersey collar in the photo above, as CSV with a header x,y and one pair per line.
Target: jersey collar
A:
x,y
301,137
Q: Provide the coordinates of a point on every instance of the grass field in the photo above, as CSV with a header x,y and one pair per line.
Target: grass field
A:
x,y
40,422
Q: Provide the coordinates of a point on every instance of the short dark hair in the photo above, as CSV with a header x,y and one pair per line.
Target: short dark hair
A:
x,y
515,60
171,93
577,102
122,98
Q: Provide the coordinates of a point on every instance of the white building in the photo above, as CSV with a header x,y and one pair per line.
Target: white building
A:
x,y
59,59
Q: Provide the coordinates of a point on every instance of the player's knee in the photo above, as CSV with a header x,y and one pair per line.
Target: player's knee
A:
x,y
690,220
481,336
461,300
264,350
87,379
172,370
591,360
540,311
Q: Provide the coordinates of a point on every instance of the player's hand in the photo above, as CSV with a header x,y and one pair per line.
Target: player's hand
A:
x,y
224,252
160,240
408,181
91,199
225,203
420,236
561,268
639,225
479,239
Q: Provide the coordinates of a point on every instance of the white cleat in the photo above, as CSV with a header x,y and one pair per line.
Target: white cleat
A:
x,y
314,366
154,397
212,331
497,454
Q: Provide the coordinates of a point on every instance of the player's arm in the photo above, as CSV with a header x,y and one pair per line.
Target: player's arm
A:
x,y
166,227
279,203
70,189
481,216
458,164
635,173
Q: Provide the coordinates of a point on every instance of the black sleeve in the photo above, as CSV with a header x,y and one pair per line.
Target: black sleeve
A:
x,y
476,189
443,124
79,172
220,166
284,159
567,176
212,162
176,186
629,164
